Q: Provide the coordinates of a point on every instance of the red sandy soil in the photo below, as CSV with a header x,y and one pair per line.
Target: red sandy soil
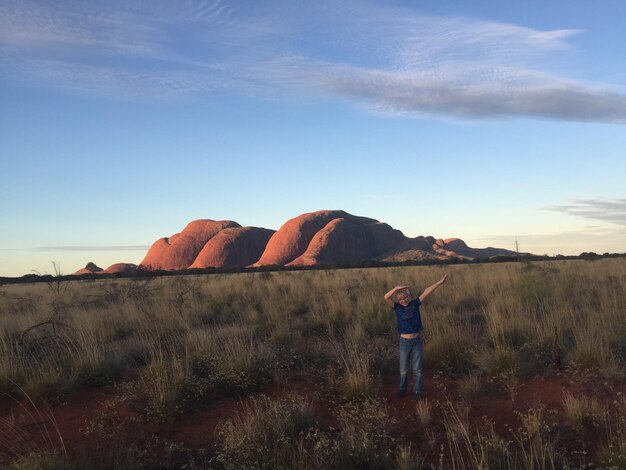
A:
x,y
35,427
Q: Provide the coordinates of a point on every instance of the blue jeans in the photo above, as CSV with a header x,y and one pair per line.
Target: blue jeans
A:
x,y
411,353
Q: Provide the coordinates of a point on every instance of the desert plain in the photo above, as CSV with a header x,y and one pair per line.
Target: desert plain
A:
x,y
524,368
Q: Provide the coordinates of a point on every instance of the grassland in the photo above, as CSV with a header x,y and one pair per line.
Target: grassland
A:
x,y
525,368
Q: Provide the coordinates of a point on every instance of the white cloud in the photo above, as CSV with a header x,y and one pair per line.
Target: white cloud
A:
x,y
383,59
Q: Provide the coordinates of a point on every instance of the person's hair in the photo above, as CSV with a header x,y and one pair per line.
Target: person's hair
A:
x,y
403,293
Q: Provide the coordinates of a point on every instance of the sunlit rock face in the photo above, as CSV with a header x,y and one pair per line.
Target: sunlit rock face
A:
x,y
233,248
180,251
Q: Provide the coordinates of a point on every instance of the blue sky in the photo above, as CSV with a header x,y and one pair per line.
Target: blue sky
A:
x,y
491,121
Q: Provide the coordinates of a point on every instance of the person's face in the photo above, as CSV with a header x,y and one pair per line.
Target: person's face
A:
x,y
403,300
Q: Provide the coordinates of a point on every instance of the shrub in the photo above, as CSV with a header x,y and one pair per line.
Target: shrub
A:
x,y
470,304
170,387
536,441
582,412
533,292
469,386
424,413
267,434
367,437
48,383
407,458
591,351
44,461
354,359
452,349
614,453
232,361
496,361
533,358
97,369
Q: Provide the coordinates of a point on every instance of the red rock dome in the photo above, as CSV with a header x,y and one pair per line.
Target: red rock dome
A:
x,y
180,250
121,268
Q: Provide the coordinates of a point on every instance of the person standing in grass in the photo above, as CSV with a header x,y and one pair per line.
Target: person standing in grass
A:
x,y
410,330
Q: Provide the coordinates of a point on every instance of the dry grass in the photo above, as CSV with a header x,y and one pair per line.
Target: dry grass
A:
x,y
188,338
583,412
424,413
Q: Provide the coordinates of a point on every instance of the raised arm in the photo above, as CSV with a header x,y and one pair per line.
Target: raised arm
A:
x,y
391,293
430,289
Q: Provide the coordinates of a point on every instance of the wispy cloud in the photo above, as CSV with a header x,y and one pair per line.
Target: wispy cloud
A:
x,y
571,242
383,59
504,94
608,210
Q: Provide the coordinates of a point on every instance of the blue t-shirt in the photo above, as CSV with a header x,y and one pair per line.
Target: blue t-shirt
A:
x,y
409,319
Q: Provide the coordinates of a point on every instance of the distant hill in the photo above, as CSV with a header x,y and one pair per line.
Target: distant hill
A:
x,y
322,238
313,239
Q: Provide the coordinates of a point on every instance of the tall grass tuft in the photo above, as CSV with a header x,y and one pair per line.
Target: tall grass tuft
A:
x,y
583,412
368,436
268,434
354,358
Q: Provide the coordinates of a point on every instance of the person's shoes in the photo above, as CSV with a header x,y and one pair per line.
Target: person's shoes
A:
x,y
400,393
417,396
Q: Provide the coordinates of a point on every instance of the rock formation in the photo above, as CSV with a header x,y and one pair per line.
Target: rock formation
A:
x,y
348,240
180,251
328,237
124,268
90,268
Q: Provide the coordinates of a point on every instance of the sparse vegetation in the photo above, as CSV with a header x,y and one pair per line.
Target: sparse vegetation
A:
x,y
180,343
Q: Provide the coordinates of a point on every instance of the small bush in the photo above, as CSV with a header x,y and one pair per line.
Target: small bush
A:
x,y
470,304
533,358
48,383
96,371
354,358
424,413
44,461
496,361
534,292
453,350
407,458
367,437
469,386
268,434
591,352
537,441
170,388
582,412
